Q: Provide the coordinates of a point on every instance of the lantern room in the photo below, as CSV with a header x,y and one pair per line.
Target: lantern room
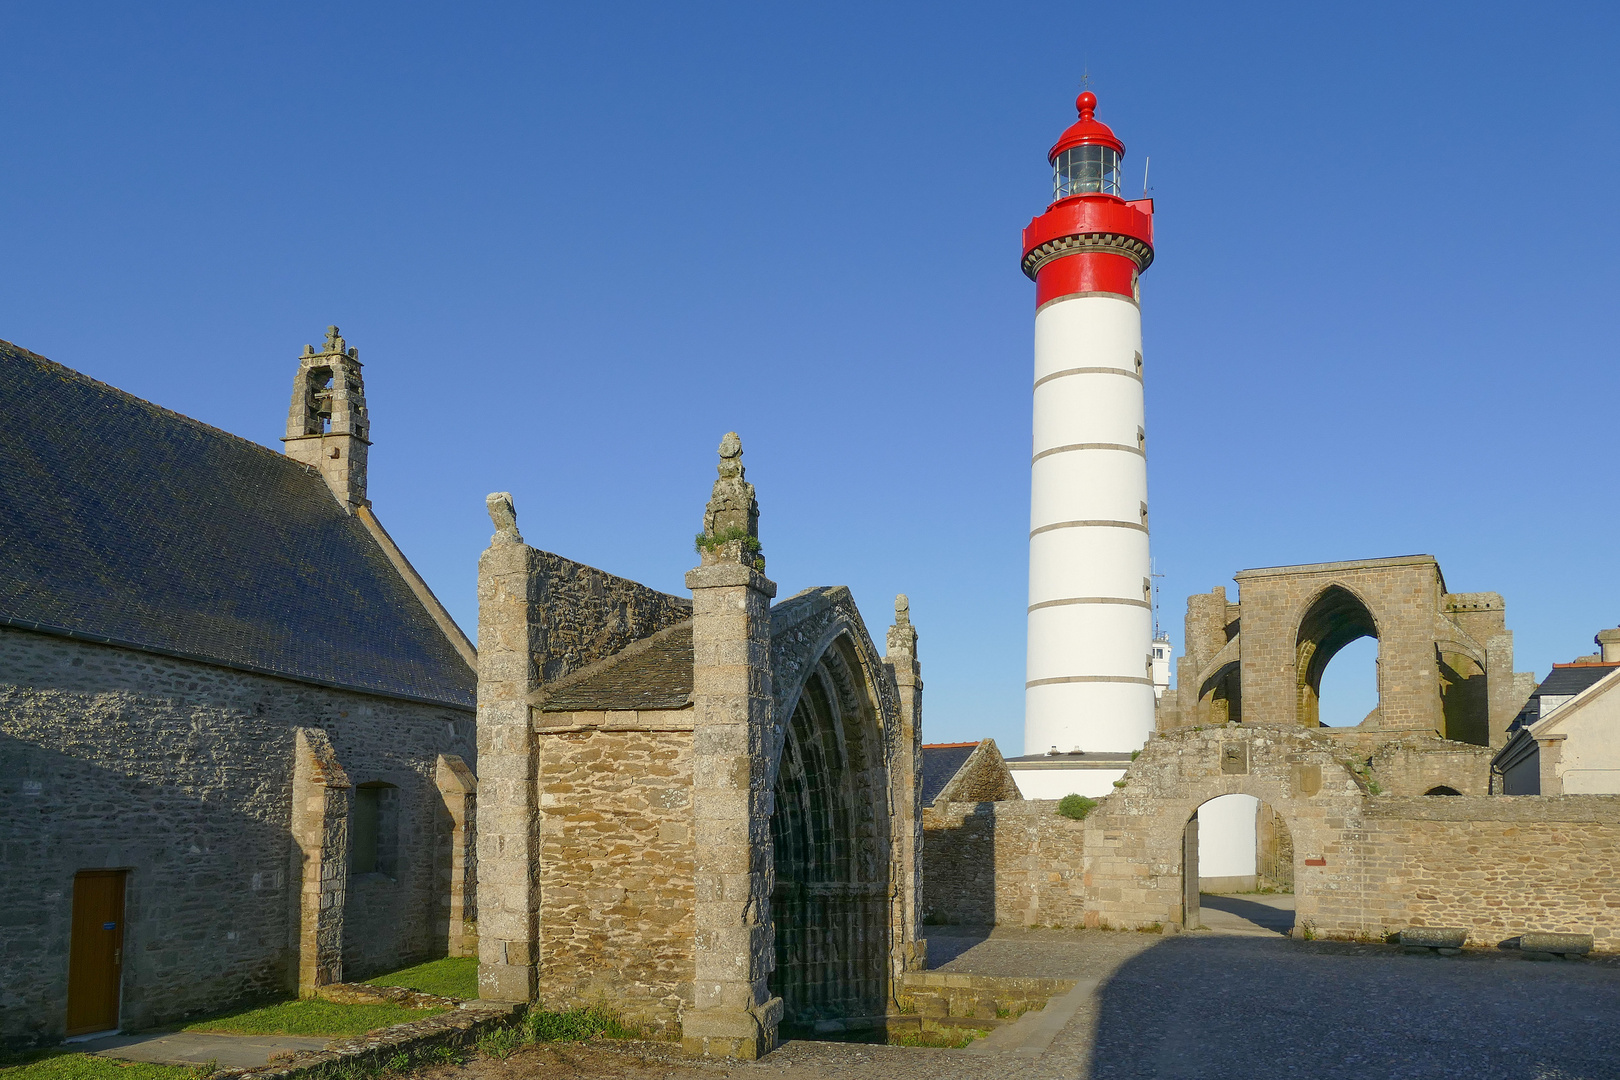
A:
x,y
1085,161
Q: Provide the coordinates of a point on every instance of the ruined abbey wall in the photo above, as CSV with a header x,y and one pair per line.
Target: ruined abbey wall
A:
x,y
1364,865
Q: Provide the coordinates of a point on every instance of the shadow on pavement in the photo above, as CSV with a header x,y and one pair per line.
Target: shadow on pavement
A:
x,y
1255,1008
946,943
1266,916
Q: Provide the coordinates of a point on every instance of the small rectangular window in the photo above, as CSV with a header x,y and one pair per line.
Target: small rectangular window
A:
x,y
374,830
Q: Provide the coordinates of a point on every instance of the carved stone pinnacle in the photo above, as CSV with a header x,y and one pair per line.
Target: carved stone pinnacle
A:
x,y
732,507
504,514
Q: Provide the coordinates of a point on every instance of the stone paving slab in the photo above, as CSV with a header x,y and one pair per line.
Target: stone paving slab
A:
x,y
198,1047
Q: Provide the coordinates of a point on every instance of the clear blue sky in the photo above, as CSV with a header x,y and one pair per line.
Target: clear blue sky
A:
x,y
577,243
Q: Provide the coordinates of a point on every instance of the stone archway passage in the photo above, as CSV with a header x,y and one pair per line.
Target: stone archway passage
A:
x,y
829,905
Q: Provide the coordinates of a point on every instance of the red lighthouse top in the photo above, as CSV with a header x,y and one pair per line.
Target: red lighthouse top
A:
x,y
1087,131
1090,240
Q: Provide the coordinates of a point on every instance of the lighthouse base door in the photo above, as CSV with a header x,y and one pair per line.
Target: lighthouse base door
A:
x,y
96,954
1190,915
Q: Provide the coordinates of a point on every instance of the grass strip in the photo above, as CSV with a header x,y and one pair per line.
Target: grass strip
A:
x,y
58,1064
453,976
940,1040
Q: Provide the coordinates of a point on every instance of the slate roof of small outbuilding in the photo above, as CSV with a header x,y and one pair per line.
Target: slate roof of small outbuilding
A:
x,y
940,763
125,523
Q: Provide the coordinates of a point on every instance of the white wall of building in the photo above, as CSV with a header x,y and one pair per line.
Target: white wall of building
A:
x,y
1226,839
1056,783
1589,753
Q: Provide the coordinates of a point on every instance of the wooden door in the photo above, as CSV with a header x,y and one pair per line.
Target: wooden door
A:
x,y
96,956
1191,915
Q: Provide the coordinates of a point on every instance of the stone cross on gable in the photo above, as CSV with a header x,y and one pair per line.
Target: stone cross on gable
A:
x,y
334,343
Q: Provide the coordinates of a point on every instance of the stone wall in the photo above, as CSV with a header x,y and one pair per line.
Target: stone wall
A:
x,y
1445,660
1418,766
183,773
616,863
541,617
1402,597
1363,865
1498,866
589,614
1273,851
1015,862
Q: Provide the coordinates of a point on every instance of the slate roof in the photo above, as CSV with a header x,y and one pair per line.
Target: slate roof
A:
x,y
653,673
1566,680
125,523
941,762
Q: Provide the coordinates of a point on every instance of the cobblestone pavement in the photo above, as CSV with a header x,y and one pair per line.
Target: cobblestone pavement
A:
x,y
1208,1006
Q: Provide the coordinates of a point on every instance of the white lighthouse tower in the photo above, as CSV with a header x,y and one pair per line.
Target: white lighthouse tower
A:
x,y
1089,690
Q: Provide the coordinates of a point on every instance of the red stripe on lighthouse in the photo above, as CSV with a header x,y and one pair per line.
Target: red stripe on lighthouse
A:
x,y
1086,272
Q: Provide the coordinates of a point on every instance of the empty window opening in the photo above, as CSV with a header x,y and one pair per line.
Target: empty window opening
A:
x,y
1442,789
374,839
1349,688
1222,696
1336,661
1463,698
319,399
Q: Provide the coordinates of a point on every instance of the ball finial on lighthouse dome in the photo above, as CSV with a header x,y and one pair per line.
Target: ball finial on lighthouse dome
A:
x,y
1086,131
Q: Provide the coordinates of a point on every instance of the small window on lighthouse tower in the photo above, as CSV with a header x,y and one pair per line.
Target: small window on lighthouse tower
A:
x,y
1085,170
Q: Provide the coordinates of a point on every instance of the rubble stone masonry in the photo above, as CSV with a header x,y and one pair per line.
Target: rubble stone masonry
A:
x,y
183,773
617,858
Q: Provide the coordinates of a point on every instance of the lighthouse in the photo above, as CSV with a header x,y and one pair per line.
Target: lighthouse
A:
x,y
1089,689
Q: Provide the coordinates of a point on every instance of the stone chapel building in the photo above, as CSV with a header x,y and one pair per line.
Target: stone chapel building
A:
x,y
701,812
236,728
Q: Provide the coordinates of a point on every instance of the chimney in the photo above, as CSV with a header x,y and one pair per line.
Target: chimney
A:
x,y
1608,642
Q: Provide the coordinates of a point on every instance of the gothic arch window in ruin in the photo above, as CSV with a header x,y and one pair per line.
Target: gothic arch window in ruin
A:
x,y
829,829
1336,619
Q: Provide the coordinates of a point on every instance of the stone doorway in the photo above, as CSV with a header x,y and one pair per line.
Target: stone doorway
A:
x,y
1237,868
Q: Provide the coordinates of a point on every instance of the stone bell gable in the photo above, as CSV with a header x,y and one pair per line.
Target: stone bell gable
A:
x,y
687,803
328,427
